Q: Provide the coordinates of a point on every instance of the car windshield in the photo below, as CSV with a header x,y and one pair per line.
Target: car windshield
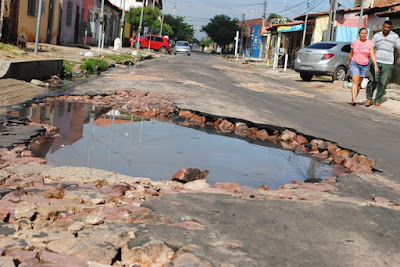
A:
x,y
322,46
182,43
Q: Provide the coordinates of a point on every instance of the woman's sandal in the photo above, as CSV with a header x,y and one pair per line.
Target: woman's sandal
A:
x,y
353,103
368,103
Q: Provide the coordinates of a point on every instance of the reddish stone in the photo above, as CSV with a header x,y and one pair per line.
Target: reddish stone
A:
x,y
331,179
288,135
184,113
332,148
263,187
233,187
190,225
55,258
262,134
318,143
226,126
121,188
197,120
368,162
217,123
361,169
240,128
301,139
322,155
340,156
152,192
289,186
26,154
349,163
251,132
22,255
189,174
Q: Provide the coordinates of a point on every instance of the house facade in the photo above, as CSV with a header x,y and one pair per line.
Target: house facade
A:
x,y
70,21
20,21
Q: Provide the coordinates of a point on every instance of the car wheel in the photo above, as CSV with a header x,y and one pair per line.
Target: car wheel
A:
x,y
189,54
175,54
340,74
163,49
306,76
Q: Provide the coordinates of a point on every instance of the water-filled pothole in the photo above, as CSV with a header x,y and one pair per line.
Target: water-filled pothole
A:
x,y
96,137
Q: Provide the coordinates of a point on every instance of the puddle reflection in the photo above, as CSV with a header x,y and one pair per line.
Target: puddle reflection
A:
x,y
92,137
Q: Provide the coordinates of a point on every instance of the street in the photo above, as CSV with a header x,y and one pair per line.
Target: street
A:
x,y
346,227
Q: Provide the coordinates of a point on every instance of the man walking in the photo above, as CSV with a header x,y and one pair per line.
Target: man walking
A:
x,y
385,42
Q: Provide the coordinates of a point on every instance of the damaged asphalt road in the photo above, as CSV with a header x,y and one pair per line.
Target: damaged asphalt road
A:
x,y
226,229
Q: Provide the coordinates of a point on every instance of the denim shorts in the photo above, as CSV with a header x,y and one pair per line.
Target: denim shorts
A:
x,y
357,69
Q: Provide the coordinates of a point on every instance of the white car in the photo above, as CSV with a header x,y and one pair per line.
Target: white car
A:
x,y
182,47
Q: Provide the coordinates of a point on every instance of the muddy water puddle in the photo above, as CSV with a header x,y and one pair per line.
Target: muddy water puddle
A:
x,y
95,137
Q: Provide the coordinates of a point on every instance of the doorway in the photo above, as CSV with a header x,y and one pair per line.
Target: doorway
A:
x,y
49,32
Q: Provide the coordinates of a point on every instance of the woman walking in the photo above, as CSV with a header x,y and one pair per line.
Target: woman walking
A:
x,y
358,60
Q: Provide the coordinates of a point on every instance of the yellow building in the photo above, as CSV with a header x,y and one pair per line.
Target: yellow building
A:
x,y
321,29
21,20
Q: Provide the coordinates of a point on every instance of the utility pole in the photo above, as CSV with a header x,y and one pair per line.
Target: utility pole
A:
x,y
241,37
262,28
330,21
162,22
38,27
101,27
333,20
173,12
305,25
284,16
361,16
140,28
1,19
122,21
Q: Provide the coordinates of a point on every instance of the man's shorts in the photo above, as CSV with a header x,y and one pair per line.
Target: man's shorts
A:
x,y
357,69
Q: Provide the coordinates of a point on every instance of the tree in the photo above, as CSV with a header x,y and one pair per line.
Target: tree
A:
x,y
273,16
221,29
150,17
166,30
181,29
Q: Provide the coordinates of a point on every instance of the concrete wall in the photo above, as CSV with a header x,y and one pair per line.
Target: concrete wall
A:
x,y
68,33
28,70
27,23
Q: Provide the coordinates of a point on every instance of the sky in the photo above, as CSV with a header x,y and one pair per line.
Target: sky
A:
x,y
199,12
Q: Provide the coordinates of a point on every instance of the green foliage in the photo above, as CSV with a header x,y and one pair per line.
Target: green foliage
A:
x,y
68,67
166,30
207,41
150,16
181,30
273,16
94,64
222,29
119,58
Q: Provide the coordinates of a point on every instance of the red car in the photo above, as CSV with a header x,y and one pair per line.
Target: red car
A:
x,y
156,42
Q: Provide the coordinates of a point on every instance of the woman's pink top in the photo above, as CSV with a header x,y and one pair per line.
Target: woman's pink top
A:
x,y
361,51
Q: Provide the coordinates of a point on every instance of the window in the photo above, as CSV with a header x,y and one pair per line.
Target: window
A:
x,y
158,39
32,7
322,45
69,13
346,49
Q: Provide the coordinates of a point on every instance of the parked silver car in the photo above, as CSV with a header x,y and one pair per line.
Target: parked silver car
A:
x,y
182,47
323,58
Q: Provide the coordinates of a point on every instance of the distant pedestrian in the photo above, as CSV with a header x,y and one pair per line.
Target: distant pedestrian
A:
x,y
385,42
202,47
358,61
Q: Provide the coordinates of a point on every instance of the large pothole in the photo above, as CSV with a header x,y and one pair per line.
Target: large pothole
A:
x,y
137,138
